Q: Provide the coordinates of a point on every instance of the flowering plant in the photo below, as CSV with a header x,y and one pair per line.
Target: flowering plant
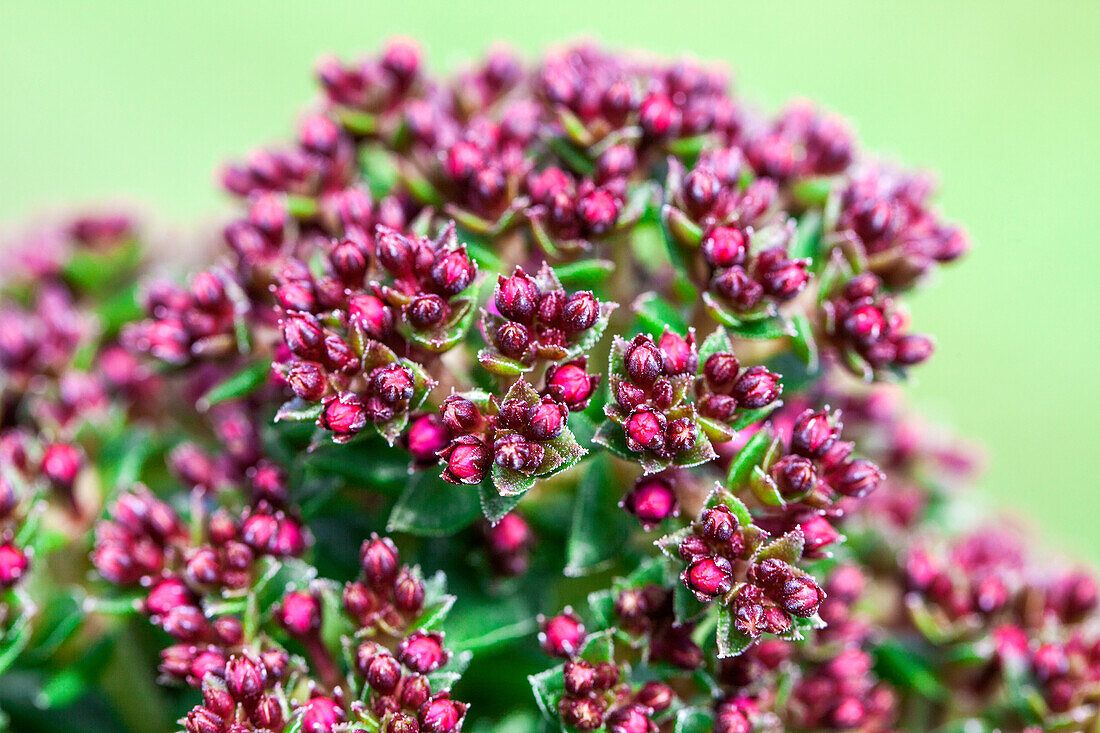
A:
x,y
551,396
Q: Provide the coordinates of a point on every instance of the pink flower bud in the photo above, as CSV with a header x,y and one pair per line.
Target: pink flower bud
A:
x,y
681,435
645,430
426,311
813,434
300,614
545,420
422,652
858,478
801,596
708,577
598,211
562,635
371,314
718,524
512,339
245,679
441,715
580,312
61,463
383,673
460,415
321,715
517,297
651,500
517,453
467,460
630,719
724,247
393,383
658,117
13,564
756,388
452,271
344,415
643,361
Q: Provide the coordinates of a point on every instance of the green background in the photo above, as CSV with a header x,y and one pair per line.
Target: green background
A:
x,y
139,101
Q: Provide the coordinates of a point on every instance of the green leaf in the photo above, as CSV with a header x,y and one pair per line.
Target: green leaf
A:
x,y
721,496
437,603
240,384
908,670
747,459
731,642
681,228
694,720
654,313
803,343
787,548
764,329
15,641
593,543
670,543
807,238
717,431
813,191
493,505
431,507
611,436
97,271
510,483
498,363
548,687
750,417
584,274
717,341
273,578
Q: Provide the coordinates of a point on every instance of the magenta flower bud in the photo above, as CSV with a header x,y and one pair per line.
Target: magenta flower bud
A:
x,y
678,354
784,279
402,723
813,434
517,453
795,476
865,324
512,339
551,307
208,291
663,393
990,594
394,251
657,696
645,430
299,614
393,383
618,161
681,435
460,415
383,673
598,211
818,534
801,596
380,561
912,349
452,271
463,161
724,247
858,478
349,262
643,361
321,715
166,595
692,546
245,679
562,635
583,713
8,498
185,623
651,500
546,419
344,415
61,463
721,369
339,356
426,311
579,676
296,296
202,720
756,388
658,117
513,414
718,524
735,285
422,652
259,531
307,380
699,191
580,312
425,437
415,691
467,460
408,592
630,719
629,395
303,335
571,384
13,564
441,715
517,297
708,577
370,314
731,720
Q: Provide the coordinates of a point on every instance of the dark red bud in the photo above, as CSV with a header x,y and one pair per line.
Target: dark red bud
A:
x,y
562,635
441,715
13,565
303,335
643,361
393,383
914,349
580,312
460,415
812,434
452,271
795,476
571,384
645,430
467,460
517,297
546,419
422,652
426,311
724,247
756,388
512,339
858,478
371,314
708,577
380,561
344,415
383,673
721,369
651,501
517,453
300,614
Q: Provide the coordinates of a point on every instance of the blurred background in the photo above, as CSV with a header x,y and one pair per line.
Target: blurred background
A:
x,y
139,103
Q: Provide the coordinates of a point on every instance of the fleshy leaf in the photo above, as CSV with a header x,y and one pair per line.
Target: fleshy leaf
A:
x,y
731,642
806,242
787,548
298,410
597,527
694,720
431,507
498,363
437,603
654,313
240,384
511,483
493,505
803,343
747,459
584,274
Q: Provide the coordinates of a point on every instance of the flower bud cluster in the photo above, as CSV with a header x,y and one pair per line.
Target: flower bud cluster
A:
x,y
241,696
522,435
870,331
647,612
191,323
888,213
537,320
597,698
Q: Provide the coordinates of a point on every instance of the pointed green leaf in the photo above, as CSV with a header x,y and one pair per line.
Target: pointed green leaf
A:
x,y
731,642
240,384
747,459
431,507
